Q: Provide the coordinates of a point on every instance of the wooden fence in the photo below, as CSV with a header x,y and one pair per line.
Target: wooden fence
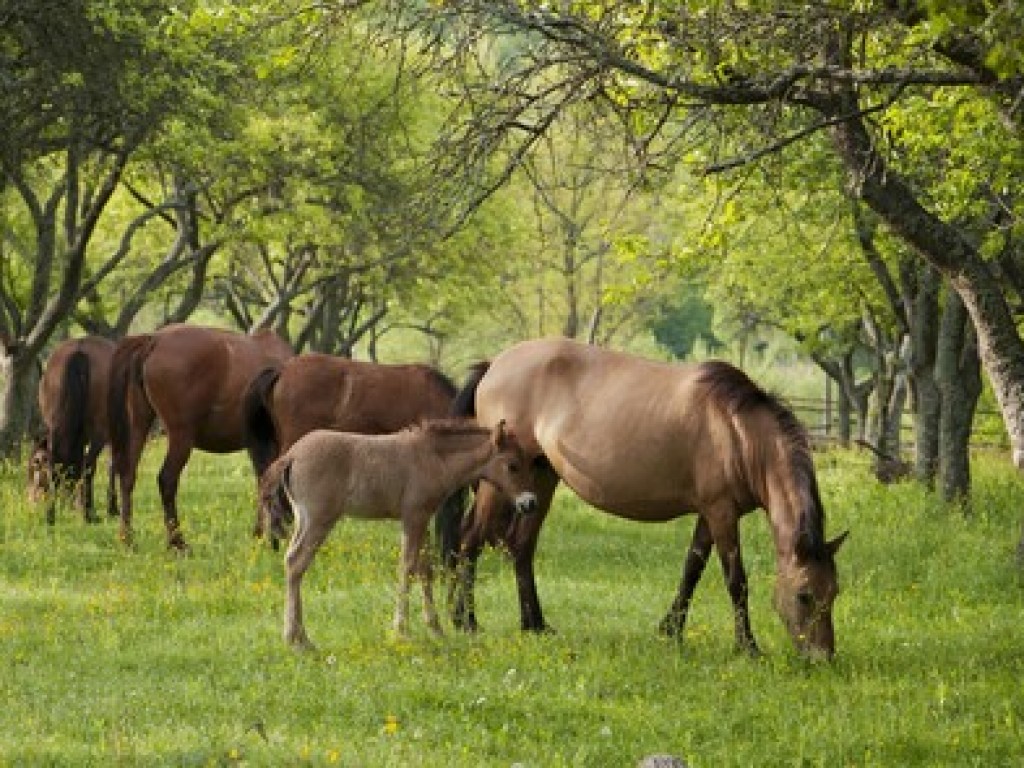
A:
x,y
822,421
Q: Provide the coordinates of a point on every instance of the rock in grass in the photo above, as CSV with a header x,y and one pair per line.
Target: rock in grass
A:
x,y
661,761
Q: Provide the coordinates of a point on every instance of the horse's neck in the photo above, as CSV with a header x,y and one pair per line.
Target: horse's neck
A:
x,y
460,457
785,501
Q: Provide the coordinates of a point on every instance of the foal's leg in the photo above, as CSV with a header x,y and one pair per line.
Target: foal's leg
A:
x,y
725,531
307,537
696,558
414,561
178,449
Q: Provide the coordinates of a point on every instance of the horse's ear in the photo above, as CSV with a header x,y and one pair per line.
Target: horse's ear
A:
x,y
834,545
498,434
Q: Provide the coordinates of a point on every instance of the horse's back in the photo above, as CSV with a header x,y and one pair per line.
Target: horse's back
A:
x,y
196,377
344,472
317,391
629,435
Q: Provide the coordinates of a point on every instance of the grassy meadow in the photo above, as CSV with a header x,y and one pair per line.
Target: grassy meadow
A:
x,y
115,657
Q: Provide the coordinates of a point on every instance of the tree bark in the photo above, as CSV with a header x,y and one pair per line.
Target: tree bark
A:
x,y
958,372
19,381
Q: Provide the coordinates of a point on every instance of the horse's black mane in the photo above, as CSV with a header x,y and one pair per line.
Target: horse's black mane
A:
x,y
734,391
448,386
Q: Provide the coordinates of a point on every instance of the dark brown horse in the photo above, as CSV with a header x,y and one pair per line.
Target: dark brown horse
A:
x,y
73,404
315,391
652,441
192,378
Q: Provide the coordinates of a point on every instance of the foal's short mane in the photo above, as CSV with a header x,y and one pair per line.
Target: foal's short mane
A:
x,y
732,390
452,426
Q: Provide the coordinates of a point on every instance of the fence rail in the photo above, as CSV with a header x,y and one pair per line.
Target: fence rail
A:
x,y
821,419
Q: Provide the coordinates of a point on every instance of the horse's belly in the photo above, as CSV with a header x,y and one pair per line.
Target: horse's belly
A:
x,y
633,492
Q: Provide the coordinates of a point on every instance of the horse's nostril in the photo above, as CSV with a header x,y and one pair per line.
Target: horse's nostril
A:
x,y
526,503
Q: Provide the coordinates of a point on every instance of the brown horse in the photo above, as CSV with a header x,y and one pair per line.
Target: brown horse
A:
x,y
698,439
402,476
192,378
316,391
73,403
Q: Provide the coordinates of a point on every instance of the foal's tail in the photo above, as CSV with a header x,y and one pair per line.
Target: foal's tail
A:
x,y
448,522
275,506
67,433
125,382
260,433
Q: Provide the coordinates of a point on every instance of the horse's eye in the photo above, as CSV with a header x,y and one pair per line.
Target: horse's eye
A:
x,y
806,599
513,468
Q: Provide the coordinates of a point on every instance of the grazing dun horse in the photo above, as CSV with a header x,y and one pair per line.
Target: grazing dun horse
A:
x,y
403,476
698,439
317,391
73,403
192,378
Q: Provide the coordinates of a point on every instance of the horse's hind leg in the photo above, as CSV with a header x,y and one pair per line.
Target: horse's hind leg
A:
x,y
522,543
85,489
178,450
696,558
112,510
126,467
306,540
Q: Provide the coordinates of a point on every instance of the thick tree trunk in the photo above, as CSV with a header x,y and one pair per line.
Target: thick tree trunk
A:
x,y
948,250
958,372
924,332
19,380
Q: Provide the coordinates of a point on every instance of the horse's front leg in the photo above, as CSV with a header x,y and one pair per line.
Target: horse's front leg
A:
x,y
461,591
178,450
425,573
725,531
696,558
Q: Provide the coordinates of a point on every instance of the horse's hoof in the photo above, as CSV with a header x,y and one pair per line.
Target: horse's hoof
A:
x,y
671,626
177,542
302,645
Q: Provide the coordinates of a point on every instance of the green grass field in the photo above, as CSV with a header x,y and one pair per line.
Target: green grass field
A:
x,y
115,657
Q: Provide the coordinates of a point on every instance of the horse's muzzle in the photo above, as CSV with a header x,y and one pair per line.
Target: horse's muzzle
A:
x,y
526,503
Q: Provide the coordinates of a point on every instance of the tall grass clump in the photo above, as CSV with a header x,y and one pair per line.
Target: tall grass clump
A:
x,y
142,657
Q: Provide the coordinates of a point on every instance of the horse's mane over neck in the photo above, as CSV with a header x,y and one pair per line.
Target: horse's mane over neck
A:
x,y
735,393
453,426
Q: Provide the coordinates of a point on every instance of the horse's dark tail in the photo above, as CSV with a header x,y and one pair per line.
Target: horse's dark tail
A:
x,y
275,509
465,401
448,522
260,433
125,373
67,436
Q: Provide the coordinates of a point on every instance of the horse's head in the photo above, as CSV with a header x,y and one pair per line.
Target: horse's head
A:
x,y
510,469
805,589
39,470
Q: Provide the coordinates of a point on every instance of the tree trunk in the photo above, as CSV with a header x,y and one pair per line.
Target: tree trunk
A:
x,y
19,381
945,247
958,372
924,332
